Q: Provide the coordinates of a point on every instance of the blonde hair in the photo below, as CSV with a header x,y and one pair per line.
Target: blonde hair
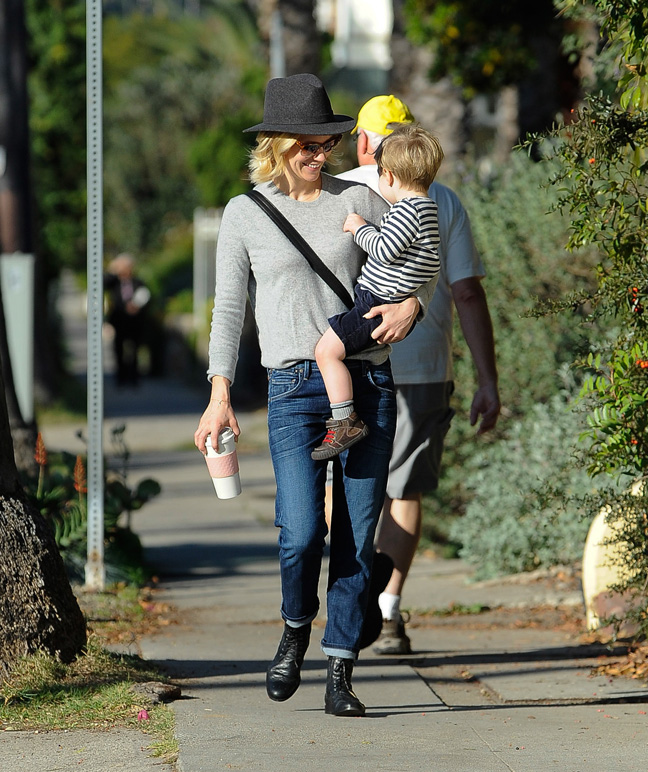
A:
x,y
267,162
412,154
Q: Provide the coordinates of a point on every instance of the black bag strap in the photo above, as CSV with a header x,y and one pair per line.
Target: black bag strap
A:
x,y
303,246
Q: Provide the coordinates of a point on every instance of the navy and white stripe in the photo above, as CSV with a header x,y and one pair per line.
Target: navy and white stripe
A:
x,y
403,254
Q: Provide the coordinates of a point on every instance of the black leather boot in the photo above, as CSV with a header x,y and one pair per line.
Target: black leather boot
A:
x,y
340,699
283,676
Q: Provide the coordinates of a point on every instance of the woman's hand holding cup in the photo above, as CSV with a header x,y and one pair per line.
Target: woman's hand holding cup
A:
x,y
218,415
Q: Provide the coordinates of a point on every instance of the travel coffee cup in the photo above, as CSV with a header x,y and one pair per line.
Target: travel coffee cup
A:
x,y
222,464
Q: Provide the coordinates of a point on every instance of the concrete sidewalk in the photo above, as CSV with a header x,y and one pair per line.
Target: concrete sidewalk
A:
x,y
472,698
476,696
469,699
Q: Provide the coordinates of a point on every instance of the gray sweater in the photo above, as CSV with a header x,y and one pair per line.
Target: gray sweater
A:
x,y
291,303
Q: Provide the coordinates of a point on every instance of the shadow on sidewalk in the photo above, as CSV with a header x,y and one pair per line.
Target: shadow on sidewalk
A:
x,y
584,651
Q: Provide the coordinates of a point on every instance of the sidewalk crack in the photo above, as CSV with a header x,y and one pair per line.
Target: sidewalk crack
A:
x,y
492,750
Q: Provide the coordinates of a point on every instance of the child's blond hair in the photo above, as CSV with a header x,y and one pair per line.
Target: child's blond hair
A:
x,y
412,154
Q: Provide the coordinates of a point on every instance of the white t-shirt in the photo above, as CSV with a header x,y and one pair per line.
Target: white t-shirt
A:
x,y
425,356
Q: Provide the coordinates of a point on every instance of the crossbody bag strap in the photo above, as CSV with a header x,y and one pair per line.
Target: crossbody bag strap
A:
x,y
303,246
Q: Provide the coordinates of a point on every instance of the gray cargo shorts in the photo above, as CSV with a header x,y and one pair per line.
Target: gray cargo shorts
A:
x,y
423,419
422,422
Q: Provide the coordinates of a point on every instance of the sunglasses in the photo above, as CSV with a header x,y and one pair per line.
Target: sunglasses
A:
x,y
315,148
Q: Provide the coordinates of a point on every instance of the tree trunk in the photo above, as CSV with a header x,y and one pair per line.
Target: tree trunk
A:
x,y
436,106
15,198
301,38
38,610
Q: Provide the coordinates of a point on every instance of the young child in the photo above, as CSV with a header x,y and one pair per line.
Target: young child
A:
x,y
402,256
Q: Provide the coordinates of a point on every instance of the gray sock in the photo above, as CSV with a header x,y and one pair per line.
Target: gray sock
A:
x,y
342,410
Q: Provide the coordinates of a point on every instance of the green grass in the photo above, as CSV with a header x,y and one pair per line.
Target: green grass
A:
x,y
69,407
94,692
454,609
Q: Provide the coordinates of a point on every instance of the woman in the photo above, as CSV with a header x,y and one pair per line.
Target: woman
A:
x,y
292,304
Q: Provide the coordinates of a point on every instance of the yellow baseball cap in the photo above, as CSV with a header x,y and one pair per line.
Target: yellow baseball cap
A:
x,y
380,111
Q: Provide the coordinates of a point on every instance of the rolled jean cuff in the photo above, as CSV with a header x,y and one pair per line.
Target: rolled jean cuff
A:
x,y
301,622
343,653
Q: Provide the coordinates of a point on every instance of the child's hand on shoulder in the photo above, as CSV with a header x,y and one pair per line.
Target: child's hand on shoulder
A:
x,y
353,222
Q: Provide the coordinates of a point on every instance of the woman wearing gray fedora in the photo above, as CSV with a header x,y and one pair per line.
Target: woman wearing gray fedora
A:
x,y
292,305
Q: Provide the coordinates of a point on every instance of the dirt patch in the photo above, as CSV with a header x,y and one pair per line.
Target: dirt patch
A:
x,y
561,618
626,658
123,615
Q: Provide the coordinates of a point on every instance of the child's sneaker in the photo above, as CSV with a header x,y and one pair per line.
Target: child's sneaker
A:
x,y
341,434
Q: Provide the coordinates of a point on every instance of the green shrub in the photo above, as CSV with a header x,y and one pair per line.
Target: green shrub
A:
x,y
59,493
602,160
525,260
526,510
523,249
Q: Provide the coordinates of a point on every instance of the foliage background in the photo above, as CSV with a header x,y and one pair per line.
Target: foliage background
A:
x,y
177,88
173,83
56,84
482,45
525,258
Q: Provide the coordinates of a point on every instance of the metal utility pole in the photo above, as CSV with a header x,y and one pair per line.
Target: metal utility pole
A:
x,y
95,572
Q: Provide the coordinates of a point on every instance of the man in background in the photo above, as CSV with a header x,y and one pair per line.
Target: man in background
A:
x,y
128,298
422,368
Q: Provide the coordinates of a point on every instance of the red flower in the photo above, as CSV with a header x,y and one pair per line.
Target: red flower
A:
x,y
40,456
79,476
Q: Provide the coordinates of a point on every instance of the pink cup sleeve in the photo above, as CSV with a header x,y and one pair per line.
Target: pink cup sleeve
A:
x,y
222,466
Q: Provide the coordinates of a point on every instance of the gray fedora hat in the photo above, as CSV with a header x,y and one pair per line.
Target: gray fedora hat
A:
x,y
299,104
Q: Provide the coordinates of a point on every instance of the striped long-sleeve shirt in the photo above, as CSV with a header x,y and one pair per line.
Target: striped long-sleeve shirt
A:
x,y
403,254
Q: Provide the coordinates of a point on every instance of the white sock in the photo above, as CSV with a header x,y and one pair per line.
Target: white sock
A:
x,y
341,410
389,605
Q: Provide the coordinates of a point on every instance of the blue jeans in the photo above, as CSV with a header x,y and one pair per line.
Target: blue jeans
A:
x,y
298,407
